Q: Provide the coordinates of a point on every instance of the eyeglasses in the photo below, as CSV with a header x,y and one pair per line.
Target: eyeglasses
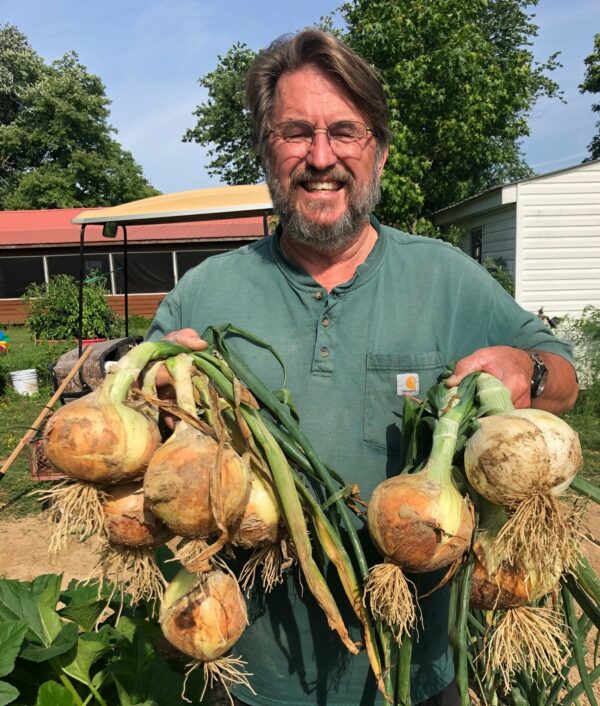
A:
x,y
344,135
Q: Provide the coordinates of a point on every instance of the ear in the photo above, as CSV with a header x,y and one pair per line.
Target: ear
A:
x,y
382,161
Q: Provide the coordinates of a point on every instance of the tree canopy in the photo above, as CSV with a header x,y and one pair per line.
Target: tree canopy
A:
x,y
461,81
57,148
591,84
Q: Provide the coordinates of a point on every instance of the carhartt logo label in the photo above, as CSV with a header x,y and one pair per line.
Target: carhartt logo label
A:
x,y
407,384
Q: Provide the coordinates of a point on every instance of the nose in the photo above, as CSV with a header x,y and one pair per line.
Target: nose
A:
x,y
320,155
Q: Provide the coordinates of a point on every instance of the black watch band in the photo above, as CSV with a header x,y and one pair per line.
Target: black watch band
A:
x,y
539,376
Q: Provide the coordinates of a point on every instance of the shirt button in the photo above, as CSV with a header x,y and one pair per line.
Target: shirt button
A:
x,y
318,295
325,321
324,351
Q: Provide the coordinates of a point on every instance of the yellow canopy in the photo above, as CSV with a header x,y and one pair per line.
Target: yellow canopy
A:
x,y
196,205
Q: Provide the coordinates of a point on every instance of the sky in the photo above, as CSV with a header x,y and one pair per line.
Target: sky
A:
x,y
151,53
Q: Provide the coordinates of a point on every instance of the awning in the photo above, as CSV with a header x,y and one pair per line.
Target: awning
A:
x,y
196,205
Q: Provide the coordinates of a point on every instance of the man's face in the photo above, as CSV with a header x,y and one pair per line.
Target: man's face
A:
x,y
324,193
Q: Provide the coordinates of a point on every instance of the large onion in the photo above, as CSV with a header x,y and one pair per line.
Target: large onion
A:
x,y
97,440
524,451
419,524
203,614
177,483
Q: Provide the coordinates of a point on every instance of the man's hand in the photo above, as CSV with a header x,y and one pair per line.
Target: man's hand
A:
x,y
514,368
187,337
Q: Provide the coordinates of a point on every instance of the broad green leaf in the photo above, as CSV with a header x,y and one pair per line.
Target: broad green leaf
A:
x,y
12,633
17,602
64,641
8,693
90,647
51,622
47,589
53,694
84,614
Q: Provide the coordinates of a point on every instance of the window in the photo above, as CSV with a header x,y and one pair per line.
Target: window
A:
x,y
477,243
17,273
146,272
96,263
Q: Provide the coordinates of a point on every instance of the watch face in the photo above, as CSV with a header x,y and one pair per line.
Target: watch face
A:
x,y
538,376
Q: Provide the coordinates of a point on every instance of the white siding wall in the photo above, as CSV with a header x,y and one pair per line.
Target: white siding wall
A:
x,y
558,241
498,234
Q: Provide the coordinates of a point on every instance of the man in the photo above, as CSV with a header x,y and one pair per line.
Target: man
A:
x,y
361,314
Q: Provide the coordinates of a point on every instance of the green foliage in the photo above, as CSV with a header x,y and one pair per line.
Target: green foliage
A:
x,y
56,145
224,123
461,81
54,309
498,268
51,654
591,84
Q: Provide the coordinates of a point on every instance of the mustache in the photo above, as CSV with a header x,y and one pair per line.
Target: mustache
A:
x,y
333,174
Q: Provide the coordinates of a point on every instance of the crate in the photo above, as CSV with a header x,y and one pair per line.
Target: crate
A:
x,y
39,466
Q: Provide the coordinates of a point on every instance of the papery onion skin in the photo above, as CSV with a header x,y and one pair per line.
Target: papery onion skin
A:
x,y
128,522
515,454
95,440
406,521
208,620
177,484
260,522
500,585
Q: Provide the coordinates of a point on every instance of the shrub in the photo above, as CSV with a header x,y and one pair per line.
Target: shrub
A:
x,y
54,309
498,268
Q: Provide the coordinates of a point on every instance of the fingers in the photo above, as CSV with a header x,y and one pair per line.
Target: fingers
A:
x,y
187,337
510,365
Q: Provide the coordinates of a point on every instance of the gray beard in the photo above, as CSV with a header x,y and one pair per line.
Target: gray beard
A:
x,y
318,236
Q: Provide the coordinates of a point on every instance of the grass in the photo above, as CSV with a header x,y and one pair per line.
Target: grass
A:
x,y
18,412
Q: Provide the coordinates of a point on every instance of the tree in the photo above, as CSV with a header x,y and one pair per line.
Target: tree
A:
x,y
591,84
57,148
224,123
461,81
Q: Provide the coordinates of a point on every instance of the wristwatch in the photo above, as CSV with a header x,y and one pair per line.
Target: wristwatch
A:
x,y
539,376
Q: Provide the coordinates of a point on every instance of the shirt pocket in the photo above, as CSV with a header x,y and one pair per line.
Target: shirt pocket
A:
x,y
389,378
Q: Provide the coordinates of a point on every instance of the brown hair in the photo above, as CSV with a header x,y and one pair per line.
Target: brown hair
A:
x,y
314,47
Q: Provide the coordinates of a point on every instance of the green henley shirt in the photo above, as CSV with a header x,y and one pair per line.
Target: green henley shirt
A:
x,y
414,306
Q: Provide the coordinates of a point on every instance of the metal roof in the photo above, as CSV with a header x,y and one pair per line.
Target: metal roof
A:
x,y
199,204
55,228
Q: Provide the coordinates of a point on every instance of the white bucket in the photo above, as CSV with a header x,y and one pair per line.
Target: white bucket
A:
x,y
25,382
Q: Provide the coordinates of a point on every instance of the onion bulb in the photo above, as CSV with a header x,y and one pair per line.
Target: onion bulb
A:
x,y
98,437
260,522
203,615
127,519
196,485
419,522
130,534
522,459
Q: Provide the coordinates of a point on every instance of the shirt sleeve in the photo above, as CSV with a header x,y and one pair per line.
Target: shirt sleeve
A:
x,y
167,318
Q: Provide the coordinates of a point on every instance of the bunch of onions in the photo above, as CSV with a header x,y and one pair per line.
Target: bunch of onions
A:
x,y
522,459
521,633
419,522
203,615
196,485
131,533
99,439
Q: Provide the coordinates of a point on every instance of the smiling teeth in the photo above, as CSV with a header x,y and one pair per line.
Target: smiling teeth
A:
x,y
322,186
